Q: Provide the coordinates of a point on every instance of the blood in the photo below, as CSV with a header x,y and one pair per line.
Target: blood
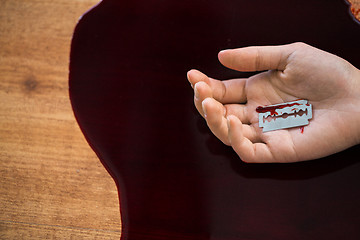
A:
x,y
272,109
302,129
175,179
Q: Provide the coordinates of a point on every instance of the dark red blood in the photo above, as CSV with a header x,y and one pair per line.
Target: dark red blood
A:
x,y
272,109
176,180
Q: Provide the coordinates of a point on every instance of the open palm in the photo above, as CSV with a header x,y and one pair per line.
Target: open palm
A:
x,y
295,71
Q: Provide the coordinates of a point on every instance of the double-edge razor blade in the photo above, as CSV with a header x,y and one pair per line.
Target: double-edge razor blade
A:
x,y
284,115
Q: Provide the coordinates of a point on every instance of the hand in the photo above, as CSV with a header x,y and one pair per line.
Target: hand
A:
x,y
295,71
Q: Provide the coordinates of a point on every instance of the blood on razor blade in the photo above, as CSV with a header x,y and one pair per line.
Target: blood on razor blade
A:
x,y
284,115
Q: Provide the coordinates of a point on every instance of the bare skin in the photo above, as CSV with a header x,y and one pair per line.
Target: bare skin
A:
x,y
295,71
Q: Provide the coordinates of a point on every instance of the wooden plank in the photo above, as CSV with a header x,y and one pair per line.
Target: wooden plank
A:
x,y
15,230
52,185
355,8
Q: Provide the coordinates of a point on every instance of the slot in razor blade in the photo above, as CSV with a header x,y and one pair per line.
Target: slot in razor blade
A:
x,y
284,115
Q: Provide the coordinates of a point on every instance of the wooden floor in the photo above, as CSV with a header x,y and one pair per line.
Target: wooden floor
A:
x,y
52,186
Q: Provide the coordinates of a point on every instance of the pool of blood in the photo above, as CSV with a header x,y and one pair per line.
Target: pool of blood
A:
x,y
132,101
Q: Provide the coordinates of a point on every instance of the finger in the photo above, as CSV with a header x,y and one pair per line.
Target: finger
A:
x,y
201,91
247,151
195,76
258,58
252,133
238,110
214,115
229,91
216,118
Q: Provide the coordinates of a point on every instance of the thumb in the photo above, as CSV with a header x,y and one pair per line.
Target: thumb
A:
x,y
262,58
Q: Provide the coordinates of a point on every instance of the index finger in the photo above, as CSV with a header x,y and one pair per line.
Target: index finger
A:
x,y
227,91
261,58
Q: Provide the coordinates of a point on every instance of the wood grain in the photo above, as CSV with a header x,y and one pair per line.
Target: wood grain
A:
x,y
355,8
52,185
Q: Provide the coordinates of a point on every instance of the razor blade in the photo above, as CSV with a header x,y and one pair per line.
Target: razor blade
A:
x,y
284,115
